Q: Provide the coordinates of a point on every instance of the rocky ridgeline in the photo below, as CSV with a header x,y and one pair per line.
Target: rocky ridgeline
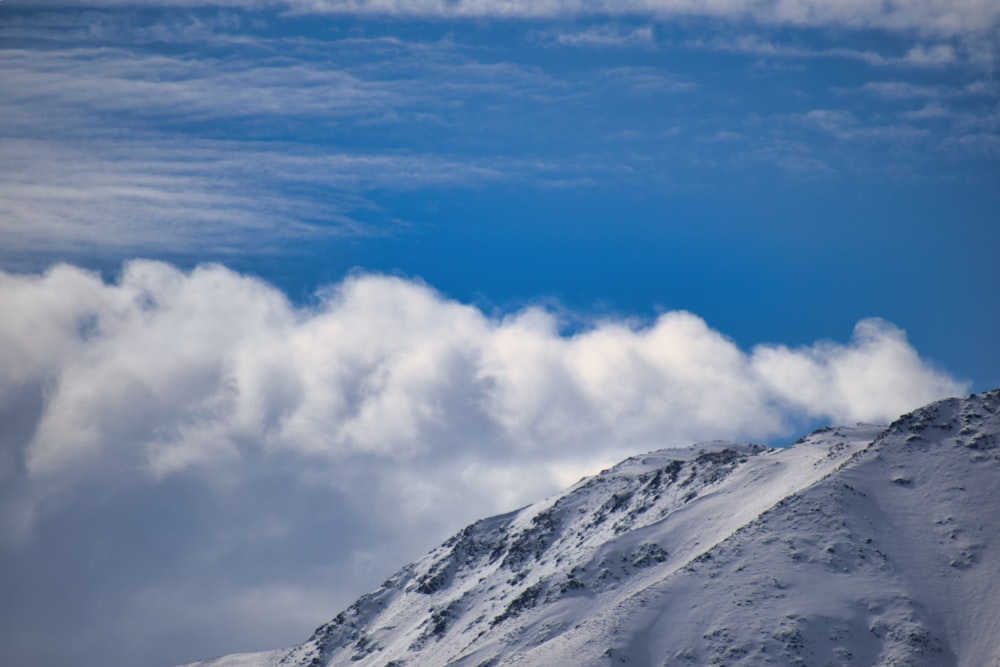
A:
x,y
863,545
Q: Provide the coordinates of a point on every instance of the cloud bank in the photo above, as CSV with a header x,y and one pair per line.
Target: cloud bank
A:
x,y
241,448
188,370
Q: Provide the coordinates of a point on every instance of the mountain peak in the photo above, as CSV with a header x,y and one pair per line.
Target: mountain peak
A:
x,y
854,546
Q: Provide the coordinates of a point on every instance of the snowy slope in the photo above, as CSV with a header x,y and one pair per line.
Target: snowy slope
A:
x,y
855,546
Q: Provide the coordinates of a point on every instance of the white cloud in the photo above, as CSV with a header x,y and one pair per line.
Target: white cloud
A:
x,y
877,375
982,144
158,194
795,158
109,81
644,80
936,16
935,55
178,371
946,17
197,433
82,81
141,191
605,35
919,56
930,111
845,126
97,152
903,90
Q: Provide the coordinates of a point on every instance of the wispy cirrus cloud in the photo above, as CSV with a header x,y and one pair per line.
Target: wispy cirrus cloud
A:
x,y
944,17
904,89
900,90
110,147
844,125
81,84
605,35
158,196
796,158
920,55
215,129
981,144
966,110
111,90
644,80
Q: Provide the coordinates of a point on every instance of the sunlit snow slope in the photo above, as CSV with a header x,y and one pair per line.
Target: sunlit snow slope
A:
x,y
855,546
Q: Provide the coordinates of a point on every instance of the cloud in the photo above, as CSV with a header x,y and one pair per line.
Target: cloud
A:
x,y
918,56
845,383
160,195
139,148
62,85
845,126
947,17
81,82
197,433
904,90
192,440
159,133
795,158
644,80
930,111
173,371
901,90
113,81
935,55
384,367
605,35
981,144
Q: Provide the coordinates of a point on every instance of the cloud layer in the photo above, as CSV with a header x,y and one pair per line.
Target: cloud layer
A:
x,y
948,17
129,149
134,133
295,454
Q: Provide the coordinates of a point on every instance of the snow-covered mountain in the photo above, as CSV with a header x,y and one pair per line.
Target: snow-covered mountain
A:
x,y
864,545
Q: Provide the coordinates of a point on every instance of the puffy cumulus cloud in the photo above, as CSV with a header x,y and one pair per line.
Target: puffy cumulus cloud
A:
x,y
165,372
186,370
196,433
875,378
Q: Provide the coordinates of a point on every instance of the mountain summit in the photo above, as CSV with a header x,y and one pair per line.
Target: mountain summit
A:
x,y
863,545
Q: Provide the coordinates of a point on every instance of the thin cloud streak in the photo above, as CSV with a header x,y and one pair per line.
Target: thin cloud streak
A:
x,y
608,35
903,90
155,194
944,17
918,56
78,84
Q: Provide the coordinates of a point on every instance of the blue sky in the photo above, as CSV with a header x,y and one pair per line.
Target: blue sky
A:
x,y
452,255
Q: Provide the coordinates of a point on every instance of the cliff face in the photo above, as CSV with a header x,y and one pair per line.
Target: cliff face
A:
x,y
864,545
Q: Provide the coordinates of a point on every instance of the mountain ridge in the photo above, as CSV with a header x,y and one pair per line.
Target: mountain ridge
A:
x,y
824,552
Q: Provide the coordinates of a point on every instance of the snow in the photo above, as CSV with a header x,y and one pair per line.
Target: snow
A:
x,y
267,659
864,545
